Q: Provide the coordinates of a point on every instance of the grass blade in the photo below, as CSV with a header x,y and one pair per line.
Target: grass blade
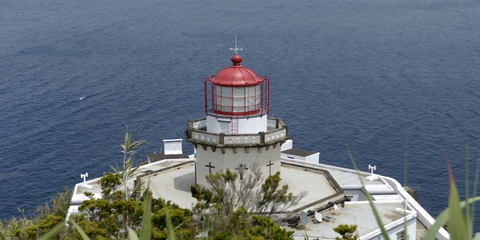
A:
x,y
80,230
146,232
443,218
467,195
171,231
457,225
132,235
477,174
50,234
370,200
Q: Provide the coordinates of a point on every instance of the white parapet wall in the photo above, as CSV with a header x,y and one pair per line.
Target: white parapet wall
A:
x,y
287,145
289,153
313,158
423,216
172,146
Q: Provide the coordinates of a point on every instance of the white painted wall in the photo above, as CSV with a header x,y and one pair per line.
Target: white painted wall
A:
x,y
232,158
314,158
244,125
394,228
287,145
172,146
423,215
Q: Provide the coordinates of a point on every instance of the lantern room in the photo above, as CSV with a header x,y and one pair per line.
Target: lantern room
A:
x,y
236,91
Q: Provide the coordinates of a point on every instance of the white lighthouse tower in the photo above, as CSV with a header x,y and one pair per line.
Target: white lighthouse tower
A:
x,y
236,132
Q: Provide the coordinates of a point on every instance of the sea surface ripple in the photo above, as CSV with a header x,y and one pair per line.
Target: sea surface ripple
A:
x,y
396,82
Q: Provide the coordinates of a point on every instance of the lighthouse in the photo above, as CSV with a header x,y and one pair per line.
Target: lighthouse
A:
x,y
236,132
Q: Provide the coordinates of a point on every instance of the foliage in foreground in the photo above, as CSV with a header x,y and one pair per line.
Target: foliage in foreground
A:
x,y
104,218
346,231
45,218
226,206
128,170
154,219
227,193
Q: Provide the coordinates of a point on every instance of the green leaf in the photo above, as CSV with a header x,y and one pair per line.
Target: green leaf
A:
x,y
136,144
468,223
80,230
475,186
460,225
170,230
457,225
53,232
146,231
132,235
443,218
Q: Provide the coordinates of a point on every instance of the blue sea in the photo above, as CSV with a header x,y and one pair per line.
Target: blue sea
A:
x,y
395,82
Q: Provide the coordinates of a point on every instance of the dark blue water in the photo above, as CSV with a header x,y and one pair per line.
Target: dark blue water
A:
x,y
395,81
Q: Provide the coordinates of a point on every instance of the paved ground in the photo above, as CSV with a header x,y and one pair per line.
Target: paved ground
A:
x,y
174,184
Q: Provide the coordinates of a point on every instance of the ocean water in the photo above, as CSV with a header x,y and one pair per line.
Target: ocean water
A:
x,y
396,82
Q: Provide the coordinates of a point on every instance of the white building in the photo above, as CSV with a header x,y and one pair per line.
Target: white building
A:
x,y
236,134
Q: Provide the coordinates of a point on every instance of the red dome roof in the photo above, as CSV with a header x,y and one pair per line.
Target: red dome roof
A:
x,y
236,75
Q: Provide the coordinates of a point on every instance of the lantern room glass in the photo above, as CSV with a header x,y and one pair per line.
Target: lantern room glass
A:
x,y
237,99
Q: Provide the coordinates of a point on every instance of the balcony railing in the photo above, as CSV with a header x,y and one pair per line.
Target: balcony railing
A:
x,y
197,133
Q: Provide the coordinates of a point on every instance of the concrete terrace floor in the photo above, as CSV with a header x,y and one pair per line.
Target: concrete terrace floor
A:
x,y
172,181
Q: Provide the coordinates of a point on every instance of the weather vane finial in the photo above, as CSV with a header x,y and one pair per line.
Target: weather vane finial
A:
x,y
236,49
